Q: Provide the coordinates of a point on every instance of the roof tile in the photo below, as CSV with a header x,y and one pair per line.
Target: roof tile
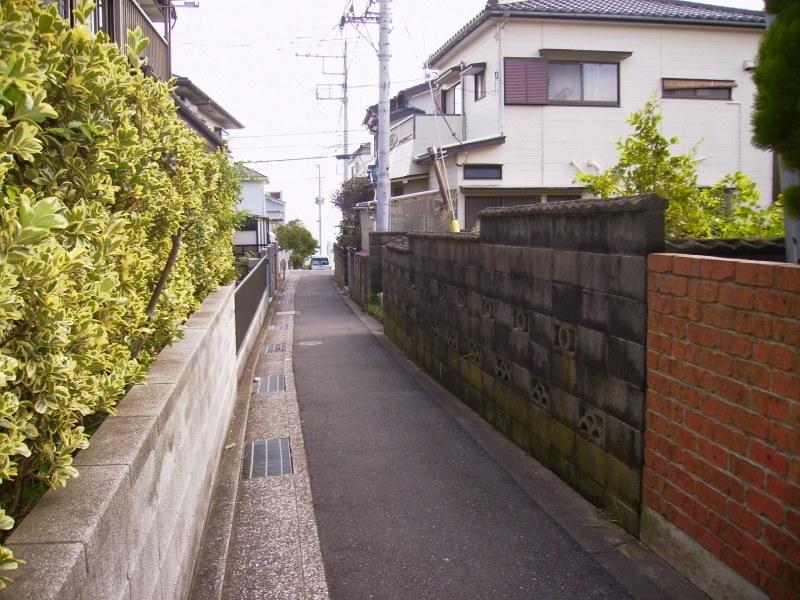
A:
x,y
659,11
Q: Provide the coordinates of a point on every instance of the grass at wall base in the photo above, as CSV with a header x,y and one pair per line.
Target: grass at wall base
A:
x,y
101,184
728,209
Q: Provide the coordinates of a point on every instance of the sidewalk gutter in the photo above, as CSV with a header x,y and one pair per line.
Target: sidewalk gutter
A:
x,y
298,559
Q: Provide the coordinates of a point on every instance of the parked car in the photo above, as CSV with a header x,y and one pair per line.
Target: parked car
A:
x,y
319,263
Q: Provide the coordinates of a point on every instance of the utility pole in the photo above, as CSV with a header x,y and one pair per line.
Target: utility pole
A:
x,y
345,120
382,198
324,92
384,20
319,204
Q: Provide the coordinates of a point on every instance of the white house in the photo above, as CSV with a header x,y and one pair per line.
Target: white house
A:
x,y
253,199
530,93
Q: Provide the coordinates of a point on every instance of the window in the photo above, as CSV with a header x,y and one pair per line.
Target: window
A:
x,y
450,100
565,77
703,89
480,85
483,171
583,83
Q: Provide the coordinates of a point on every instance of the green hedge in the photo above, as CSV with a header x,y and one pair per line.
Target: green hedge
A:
x,y
98,180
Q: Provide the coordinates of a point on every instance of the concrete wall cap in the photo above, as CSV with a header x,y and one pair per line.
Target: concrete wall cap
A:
x,y
642,202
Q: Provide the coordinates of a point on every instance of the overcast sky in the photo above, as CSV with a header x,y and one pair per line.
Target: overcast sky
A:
x,y
244,54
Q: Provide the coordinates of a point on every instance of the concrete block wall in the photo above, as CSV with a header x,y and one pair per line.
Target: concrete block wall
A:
x,y
129,525
423,211
340,266
377,240
722,442
539,324
359,277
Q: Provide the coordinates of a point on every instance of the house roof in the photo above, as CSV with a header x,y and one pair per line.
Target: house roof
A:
x,y
185,88
252,175
637,11
397,105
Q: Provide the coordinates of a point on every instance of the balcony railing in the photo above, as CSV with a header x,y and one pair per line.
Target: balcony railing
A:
x,y
131,16
412,136
425,130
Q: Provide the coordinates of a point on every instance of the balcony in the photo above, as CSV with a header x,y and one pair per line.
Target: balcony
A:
x,y
413,135
149,16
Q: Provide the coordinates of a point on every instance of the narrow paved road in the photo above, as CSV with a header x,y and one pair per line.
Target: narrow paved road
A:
x,y
408,505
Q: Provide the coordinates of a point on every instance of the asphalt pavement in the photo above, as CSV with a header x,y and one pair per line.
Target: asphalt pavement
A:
x,y
409,503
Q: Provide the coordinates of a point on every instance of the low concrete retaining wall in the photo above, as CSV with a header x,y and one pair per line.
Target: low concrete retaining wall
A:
x,y
539,324
722,446
129,526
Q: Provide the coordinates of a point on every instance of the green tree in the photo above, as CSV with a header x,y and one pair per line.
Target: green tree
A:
x,y
293,236
646,164
776,118
352,192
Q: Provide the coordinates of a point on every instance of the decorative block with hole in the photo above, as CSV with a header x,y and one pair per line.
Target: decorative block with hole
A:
x,y
592,425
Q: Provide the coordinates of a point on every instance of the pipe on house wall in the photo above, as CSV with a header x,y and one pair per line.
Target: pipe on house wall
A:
x,y
500,71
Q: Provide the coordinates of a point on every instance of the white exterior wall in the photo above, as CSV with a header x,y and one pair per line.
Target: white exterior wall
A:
x,y
482,116
541,141
251,198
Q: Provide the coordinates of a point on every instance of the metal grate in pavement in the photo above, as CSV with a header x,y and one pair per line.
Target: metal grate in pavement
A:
x,y
270,348
280,327
289,312
267,458
269,384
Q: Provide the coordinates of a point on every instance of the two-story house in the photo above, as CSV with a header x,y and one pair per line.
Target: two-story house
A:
x,y
530,93
117,17
266,210
155,19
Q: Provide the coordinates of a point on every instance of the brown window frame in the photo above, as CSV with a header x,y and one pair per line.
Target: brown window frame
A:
x,y
536,65
689,92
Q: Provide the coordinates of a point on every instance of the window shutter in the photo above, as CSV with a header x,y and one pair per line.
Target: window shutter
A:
x,y
536,80
515,89
525,80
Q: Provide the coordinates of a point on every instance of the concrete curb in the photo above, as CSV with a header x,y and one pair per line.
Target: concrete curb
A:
x,y
641,572
209,571
277,553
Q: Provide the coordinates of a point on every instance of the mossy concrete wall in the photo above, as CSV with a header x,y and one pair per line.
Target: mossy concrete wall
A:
x,y
539,324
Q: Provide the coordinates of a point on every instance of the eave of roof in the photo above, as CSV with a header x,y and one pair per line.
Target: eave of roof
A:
x,y
494,10
198,125
202,100
253,175
494,140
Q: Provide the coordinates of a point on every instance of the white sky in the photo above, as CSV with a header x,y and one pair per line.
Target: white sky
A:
x,y
243,54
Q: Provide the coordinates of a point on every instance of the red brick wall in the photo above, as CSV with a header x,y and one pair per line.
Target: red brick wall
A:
x,y
722,439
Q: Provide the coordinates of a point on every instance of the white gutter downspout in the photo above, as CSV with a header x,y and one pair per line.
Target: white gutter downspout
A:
x,y
500,70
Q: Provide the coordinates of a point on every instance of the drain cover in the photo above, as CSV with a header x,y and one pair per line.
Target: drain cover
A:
x,y
313,343
289,312
269,384
280,327
270,348
267,458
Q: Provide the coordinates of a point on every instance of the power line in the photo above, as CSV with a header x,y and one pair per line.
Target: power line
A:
x,y
288,133
275,160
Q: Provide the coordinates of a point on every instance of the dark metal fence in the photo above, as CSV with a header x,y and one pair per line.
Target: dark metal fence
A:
x,y
249,294
251,249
